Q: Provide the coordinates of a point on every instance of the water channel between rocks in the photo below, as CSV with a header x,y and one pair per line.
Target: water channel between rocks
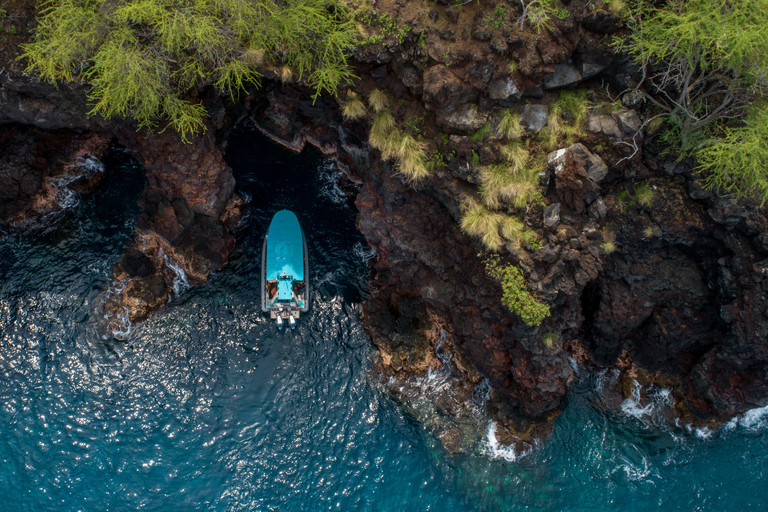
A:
x,y
206,406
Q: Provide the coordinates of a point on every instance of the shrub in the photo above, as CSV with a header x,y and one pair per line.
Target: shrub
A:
x,y
141,57
707,61
538,13
515,294
516,155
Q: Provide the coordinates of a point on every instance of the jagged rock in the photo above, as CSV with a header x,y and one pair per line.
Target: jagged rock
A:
x,y
482,31
596,168
380,71
598,210
633,99
697,191
534,117
558,160
444,92
482,71
572,181
628,120
452,13
411,77
604,124
552,216
41,169
601,21
504,89
593,62
499,44
136,264
534,93
563,76
465,120
144,294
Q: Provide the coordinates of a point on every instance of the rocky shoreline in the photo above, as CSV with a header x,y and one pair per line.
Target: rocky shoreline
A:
x,y
643,270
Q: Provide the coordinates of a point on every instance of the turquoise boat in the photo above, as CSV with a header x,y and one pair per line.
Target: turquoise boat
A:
x,y
284,270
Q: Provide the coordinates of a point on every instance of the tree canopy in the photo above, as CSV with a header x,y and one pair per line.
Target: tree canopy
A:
x,y
707,63
141,57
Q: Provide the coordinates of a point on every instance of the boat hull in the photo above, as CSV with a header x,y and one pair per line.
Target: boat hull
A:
x,y
285,287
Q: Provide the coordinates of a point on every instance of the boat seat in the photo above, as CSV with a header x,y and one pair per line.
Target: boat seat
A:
x,y
284,289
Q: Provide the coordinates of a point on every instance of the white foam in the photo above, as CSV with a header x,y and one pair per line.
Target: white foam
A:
x,y
363,252
330,183
180,281
496,450
657,399
754,419
88,167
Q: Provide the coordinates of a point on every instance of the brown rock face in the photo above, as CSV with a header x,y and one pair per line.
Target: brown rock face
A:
x,y
444,92
189,187
40,170
686,299
195,172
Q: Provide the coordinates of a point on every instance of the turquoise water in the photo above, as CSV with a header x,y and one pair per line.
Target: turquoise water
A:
x,y
206,406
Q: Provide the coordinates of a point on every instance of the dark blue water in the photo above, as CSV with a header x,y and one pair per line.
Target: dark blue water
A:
x,y
206,406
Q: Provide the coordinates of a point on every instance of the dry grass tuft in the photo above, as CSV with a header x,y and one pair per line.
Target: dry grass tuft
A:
x,y
353,109
509,126
378,100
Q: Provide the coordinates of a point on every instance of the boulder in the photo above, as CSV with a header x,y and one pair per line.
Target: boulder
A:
x,y
504,89
604,124
598,210
596,168
444,92
627,120
563,76
534,117
552,216
465,120
593,62
572,183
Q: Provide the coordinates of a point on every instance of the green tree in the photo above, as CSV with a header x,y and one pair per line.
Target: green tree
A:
x,y
707,65
142,57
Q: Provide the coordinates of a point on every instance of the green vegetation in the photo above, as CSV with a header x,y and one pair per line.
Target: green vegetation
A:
x,y
478,221
387,26
480,134
738,161
567,119
609,246
142,57
539,14
515,294
707,63
644,195
514,184
549,339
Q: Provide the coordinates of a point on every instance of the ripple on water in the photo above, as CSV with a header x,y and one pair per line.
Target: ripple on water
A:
x,y
208,407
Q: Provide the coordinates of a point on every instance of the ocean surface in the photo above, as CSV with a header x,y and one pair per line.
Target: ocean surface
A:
x,y
207,406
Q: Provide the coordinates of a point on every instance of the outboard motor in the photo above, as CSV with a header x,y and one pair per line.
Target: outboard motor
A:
x,y
292,322
280,322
